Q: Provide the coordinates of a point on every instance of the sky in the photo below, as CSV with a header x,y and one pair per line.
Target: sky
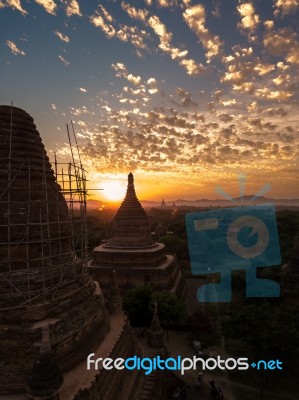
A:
x,y
185,94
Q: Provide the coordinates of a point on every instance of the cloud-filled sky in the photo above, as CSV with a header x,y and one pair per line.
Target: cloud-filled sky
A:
x,y
185,94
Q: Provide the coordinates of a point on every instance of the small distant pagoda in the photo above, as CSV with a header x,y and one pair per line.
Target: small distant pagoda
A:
x,y
155,332
132,253
163,204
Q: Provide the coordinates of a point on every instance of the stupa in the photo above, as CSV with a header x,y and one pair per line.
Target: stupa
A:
x,y
44,282
131,251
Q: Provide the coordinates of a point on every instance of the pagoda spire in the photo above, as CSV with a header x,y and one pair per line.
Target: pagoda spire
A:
x,y
155,325
155,332
45,378
130,227
131,181
115,300
130,205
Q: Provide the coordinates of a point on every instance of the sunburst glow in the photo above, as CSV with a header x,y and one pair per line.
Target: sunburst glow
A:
x,y
114,190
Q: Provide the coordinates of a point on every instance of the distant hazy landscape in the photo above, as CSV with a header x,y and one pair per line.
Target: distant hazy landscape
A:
x,y
280,203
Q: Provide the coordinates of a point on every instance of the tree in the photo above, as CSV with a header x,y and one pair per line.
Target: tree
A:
x,y
170,308
136,305
139,304
267,331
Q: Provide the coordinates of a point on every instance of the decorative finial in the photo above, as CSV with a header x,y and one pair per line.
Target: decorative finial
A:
x,y
130,180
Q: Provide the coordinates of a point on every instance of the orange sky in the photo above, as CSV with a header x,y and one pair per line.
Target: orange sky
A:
x,y
192,187
185,94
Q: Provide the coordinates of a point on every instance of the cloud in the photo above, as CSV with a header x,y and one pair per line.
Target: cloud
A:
x,y
192,67
134,79
166,3
263,69
185,98
268,24
225,117
184,142
152,83
227,103
244,87
165,38
282,79
49,5
216,12
269,94
285,7
252,107
134,13
283,67
72,7
276,111
62,37
14,49
249,20
104,20
121,71
64,61
162,3
134,92
284,41
246,72
14,4
195,18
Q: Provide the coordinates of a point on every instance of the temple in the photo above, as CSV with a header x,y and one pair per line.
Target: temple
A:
x,y
52,314
131,251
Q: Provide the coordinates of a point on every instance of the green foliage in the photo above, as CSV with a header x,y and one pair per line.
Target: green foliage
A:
x,y
266,331
170,308
139,304
175,245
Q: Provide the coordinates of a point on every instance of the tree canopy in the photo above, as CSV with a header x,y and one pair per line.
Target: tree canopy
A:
x,y
139,305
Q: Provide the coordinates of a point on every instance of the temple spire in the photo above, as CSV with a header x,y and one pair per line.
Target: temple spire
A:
x,y
115,300
155,332
131,180
45,378
130,227
155,325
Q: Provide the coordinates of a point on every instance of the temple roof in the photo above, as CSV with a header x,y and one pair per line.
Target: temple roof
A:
x,y
130,227
130,207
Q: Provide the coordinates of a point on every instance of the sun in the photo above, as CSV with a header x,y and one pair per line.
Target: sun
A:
x,y
113,190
